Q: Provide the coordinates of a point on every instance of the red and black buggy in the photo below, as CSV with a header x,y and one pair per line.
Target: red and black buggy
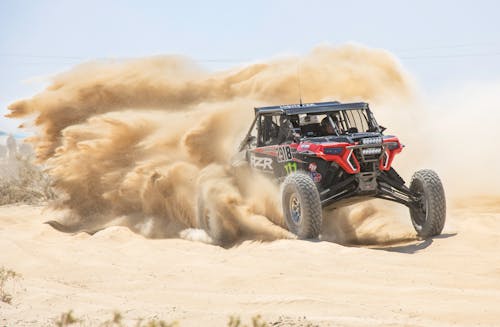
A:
x,y
332,154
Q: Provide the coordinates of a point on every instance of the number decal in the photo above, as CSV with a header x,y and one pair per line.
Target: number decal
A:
x,y
290,167
284,153
288,152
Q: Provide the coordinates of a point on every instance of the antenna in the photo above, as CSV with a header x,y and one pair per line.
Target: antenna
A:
x,y
298,79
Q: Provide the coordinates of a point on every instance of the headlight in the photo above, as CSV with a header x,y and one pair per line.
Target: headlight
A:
x,y
372,140
392,145
371,151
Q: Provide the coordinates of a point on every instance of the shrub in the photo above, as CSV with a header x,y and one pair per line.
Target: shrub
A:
x,y
5,276
21,181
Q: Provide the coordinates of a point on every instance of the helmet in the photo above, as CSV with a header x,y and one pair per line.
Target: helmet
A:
x,y
309,119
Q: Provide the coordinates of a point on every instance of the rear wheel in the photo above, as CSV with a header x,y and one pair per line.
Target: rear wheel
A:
x,y
207,221
301,206
428,214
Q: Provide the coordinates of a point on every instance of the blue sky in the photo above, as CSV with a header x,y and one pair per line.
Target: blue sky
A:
x,y
441,43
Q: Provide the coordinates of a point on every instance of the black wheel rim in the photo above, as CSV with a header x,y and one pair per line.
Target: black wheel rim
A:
x,y
295,210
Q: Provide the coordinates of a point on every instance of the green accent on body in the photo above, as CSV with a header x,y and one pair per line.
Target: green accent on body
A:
x,y
290,167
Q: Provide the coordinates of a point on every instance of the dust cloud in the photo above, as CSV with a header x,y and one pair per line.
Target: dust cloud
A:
x,y
146,143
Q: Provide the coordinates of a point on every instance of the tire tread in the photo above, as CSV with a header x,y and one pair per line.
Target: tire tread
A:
x,y
311,206
437,203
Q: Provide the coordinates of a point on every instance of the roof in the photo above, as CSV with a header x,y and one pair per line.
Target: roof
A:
x,y
307,108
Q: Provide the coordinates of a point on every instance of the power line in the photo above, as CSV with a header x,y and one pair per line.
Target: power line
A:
x,y
13,55
54,59
464,55
39,56
448,46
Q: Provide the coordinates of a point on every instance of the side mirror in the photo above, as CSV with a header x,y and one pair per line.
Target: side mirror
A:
x,y
247,142
251,139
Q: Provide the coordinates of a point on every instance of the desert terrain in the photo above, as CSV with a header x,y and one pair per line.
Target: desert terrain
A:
x,y
126,150
451,280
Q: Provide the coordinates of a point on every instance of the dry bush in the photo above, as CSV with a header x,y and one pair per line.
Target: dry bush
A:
x,y
21,181
235,321
67,319
157,323
116,321
5,276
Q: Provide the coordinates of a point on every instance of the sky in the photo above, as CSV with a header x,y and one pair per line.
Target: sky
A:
x,y
440,43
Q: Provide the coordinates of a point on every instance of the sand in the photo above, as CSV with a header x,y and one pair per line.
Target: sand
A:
x,y
143,142
451,280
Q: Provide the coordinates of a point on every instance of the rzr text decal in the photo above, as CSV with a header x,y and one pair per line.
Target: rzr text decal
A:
x,y
261,163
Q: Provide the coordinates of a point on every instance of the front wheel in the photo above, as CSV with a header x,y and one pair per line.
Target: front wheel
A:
x,y
301,206
428,213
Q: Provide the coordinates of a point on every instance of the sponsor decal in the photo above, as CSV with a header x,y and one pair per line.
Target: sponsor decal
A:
x,y
261,163
290,106
316,177
290,167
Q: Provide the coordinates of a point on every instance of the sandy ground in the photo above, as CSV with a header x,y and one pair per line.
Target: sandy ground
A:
x,y
452,280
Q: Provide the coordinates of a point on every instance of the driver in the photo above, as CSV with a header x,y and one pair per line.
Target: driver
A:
x,y
326,126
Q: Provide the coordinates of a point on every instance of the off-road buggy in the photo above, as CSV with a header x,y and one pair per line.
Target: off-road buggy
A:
x,y
332,154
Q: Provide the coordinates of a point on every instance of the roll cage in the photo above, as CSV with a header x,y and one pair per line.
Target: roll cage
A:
x,y
278,124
